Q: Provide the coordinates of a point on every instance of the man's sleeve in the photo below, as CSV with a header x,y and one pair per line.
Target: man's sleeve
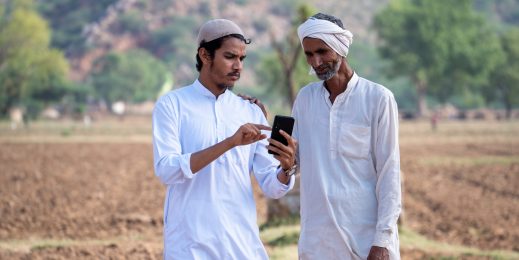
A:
x,y
170,165
387,163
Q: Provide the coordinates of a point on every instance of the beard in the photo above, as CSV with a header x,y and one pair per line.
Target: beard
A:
x,y
223,86
332,70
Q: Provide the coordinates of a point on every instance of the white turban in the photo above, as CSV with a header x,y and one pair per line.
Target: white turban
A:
x,y
334,36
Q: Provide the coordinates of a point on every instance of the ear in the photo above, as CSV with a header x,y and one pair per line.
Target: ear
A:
x,y
204,56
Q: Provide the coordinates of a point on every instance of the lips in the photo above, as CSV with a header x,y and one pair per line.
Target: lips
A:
x,y
234,76
321,70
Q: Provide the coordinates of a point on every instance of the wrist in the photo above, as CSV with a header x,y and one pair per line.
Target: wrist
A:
x,y
285,168
229,143
289,171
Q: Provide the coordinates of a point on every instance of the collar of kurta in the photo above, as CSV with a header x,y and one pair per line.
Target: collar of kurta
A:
x,y
351,85
204,91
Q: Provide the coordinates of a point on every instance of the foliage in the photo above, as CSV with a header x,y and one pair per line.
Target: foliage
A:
x,y
270,74
76,99
173,44
31,74
68,17
505,78
130,22
134,76
367,63
438,43
504,12
286,71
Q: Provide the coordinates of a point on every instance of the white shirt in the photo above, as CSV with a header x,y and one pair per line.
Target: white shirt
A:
x,y
350,170
210,214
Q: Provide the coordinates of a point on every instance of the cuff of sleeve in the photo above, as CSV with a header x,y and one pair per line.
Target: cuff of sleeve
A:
x,y
185,165
382,238
291,181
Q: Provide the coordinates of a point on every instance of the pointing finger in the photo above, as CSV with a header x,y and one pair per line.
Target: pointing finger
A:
x,y
262,127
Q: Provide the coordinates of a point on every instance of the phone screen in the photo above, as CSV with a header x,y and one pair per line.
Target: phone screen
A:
x,y
285,123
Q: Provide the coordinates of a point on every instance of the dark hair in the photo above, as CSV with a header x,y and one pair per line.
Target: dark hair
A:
x,y
329,18
214,45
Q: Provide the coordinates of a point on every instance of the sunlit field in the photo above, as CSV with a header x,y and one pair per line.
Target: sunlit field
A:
x,y
72,191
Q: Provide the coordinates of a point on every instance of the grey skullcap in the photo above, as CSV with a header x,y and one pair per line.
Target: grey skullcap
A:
x,y
216,28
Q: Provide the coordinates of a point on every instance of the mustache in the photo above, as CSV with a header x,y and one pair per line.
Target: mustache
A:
x,y
322,67
234,74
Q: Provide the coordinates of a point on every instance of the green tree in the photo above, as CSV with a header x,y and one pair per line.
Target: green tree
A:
x,y
444,46
286,71
31,74
173,44
68,18
504,12
504,86
134,76
130,22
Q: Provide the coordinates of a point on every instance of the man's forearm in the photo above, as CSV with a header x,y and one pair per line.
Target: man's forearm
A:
x,y
203,158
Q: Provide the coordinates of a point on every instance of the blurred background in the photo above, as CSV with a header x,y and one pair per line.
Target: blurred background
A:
x,y
78,81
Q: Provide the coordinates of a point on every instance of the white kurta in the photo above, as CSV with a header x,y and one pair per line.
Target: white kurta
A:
x,y
350,170
210,214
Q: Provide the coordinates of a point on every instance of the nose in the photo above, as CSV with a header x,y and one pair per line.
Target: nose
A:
x,y
315,61
237,65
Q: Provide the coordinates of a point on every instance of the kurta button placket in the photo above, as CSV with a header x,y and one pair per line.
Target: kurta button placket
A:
x,y
220,125
333,131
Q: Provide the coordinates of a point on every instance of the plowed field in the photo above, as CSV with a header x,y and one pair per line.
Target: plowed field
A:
x,y
100,200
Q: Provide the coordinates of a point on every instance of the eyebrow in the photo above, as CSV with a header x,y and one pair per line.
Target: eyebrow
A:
x,y
320,50
232,55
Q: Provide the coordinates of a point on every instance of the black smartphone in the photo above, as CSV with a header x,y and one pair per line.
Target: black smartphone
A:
x,y
285,123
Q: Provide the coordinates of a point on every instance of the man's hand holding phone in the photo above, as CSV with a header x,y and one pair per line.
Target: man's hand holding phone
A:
x,y
285,154
282,145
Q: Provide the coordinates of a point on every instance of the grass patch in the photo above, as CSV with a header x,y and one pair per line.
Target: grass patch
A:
x,y
67,132
410,239
284,240
292,220
280,235
38,244
281,241
283,253
137,129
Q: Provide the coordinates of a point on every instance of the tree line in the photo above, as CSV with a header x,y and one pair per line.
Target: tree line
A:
x,y
426,51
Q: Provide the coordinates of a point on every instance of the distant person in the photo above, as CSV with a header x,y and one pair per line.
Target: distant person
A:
x,y
119,109
348,153
206,142
434,120
16,116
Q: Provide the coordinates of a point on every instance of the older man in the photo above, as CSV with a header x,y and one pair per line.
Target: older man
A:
x,y
347,128
206,142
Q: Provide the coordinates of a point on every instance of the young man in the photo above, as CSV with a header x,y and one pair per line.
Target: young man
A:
x,y
206,142
349,159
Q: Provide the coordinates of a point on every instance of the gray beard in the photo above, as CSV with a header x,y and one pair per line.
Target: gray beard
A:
x,y
328,75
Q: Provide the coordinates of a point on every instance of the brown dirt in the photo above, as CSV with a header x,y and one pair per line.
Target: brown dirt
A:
x,y
455,202
108,192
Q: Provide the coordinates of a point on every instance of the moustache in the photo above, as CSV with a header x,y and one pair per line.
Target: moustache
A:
x,y
322,68
234,74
